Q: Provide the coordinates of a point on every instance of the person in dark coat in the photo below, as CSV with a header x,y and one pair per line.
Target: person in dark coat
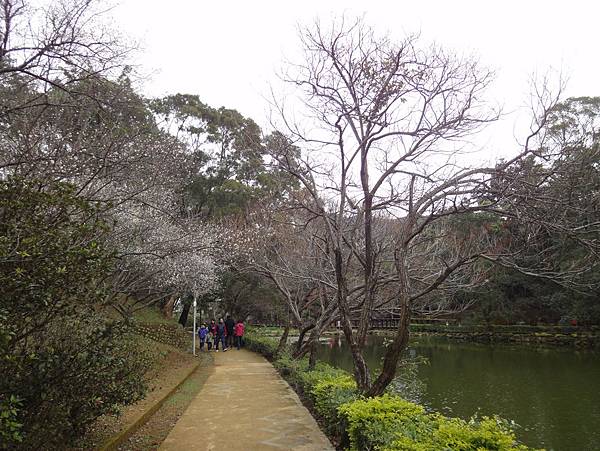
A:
x,y
221,335
230,325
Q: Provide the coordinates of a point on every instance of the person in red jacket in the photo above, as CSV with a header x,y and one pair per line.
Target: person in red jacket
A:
x,y
239,333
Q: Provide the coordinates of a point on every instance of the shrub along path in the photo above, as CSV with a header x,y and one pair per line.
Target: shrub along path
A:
x,y
245,405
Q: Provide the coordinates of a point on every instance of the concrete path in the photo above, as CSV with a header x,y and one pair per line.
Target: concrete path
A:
x,y
244,406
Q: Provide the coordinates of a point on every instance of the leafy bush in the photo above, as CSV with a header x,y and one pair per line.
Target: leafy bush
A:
x,y
292,369
62,365
455,434
322,371
51,256
326,388
82,368
328,395
10,428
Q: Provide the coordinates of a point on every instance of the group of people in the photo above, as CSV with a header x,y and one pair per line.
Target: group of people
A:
x,y
228,333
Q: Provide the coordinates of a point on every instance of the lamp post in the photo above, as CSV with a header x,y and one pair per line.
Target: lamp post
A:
x,y
194,330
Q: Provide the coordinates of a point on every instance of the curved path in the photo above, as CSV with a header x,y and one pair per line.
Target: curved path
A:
x,y
245,405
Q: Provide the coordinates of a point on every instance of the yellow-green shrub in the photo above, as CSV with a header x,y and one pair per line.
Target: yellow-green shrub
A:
x,y
376,422
389,423
328,395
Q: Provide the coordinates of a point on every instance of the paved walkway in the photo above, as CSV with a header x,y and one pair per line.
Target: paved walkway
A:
x,y
246,406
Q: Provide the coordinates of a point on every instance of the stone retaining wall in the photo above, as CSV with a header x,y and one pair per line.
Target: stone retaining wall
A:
x,y
171,334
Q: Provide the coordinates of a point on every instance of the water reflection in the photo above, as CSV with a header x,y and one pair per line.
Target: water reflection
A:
x,y
553,394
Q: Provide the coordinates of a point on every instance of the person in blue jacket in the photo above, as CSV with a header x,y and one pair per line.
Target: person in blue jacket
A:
x,y
202,334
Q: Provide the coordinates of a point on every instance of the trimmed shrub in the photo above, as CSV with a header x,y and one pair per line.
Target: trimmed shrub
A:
x,y
376,422
328,395
326,387
292,369
454,434
322,371
392,424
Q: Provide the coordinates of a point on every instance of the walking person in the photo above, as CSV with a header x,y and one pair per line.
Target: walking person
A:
x,y
239,333
230,325
212,334
221,335
202,334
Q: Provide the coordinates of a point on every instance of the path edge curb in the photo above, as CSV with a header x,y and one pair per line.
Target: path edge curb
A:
x,y
116,440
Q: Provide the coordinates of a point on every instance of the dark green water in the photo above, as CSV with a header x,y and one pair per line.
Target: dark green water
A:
x,y
552,394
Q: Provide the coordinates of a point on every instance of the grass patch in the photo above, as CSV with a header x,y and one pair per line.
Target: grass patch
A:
x,y
152,315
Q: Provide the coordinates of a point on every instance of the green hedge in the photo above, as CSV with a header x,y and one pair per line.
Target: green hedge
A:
x,y
386,423
256,342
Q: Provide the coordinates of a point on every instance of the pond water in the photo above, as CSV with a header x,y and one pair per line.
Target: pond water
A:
x,y
553,394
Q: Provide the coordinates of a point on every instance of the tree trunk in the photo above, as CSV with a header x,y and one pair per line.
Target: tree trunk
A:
x,y
312,359
361,369
365,314
361,372
303,330
184,313
284,337
168,308
393,354
398,345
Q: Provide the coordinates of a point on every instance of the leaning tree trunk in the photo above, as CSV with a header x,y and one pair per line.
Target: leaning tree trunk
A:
x,y
400,342
393,354
168,307
185,313
361,369
284,337
300,345
305,347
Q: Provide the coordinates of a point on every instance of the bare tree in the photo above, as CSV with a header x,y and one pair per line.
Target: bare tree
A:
x,y
384,139
53,46
290,251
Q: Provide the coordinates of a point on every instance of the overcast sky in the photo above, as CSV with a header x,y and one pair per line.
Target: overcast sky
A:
x,y
228,52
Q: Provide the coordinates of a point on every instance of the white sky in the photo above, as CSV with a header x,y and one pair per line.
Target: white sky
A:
x,y
228,52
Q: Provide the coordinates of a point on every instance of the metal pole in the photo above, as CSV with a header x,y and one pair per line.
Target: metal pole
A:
x,y
194,331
